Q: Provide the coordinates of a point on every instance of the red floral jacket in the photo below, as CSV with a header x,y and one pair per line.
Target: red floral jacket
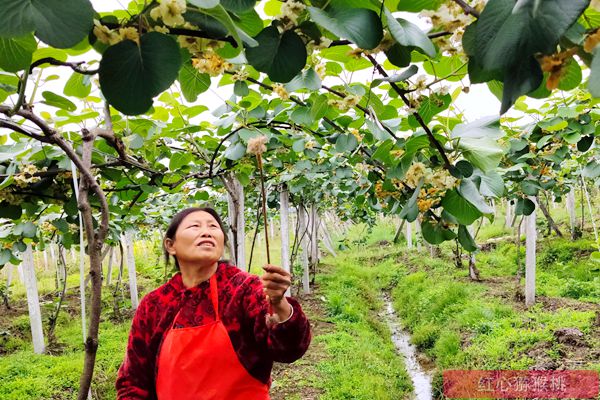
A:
x,y
242,307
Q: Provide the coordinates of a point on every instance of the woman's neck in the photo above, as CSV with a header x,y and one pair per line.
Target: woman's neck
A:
x,y
193,275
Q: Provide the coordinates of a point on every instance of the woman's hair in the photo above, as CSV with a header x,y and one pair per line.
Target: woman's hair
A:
x,y
176,221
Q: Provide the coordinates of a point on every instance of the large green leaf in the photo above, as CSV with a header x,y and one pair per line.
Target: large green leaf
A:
x,y
408,34
192,82
478,143
520,79
204,3
465,212
280,56
25,229
410,211
419,5
16,53
465,239
510,31
360,25
345,143
435,233
131,75
58,23
78,85
238,6
469,191
54,100
10,211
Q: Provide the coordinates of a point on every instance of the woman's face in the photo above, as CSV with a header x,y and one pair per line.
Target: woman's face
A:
x,y
198,240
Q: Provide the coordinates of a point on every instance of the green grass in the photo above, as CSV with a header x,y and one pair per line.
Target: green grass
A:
x,y
362,362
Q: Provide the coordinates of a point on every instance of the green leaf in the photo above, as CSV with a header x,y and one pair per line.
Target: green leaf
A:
x,y
404,75
54,100
571,75
591,170
410,211
192,82
221,15
178,160
478,143
10,211
419,5
345,143
280,56
131,75
78,85
306,80
25,229
465,168
520,79
299,145
530,188
465,239
435,233
399,55
204,3
319,107
491,183
240,88
464,212
58,23
408,34
509,33
16,53
235,152
524,206
5,256
469,191
238,5
594,81
360,25
595,256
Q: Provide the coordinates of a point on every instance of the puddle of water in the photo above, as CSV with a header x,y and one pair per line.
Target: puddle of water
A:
x,y
421,380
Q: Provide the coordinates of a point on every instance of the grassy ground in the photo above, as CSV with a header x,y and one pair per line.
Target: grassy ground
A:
x,y
454,322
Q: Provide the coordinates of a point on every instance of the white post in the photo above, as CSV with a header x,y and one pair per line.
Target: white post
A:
x,y
302,217
20,273
130,258
314,236
33,302
235,202
284,207
508,216
409,243
45,253
271,229
530,256
110,266
419,236
9,270
81,258
571,209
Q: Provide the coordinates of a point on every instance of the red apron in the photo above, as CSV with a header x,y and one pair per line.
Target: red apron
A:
x,y
200,363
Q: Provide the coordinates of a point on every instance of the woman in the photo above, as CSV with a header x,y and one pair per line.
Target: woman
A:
x,y
207,332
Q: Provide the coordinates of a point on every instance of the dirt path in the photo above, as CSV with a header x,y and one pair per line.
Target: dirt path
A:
x,y
299,380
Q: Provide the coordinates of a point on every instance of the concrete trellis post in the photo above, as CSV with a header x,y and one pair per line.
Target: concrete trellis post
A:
x,y
530,256
33,302
284,207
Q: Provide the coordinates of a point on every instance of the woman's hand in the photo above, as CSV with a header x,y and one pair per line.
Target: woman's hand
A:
x,y
275,282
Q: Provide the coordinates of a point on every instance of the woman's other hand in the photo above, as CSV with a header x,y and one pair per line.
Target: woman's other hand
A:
x,y
275,282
